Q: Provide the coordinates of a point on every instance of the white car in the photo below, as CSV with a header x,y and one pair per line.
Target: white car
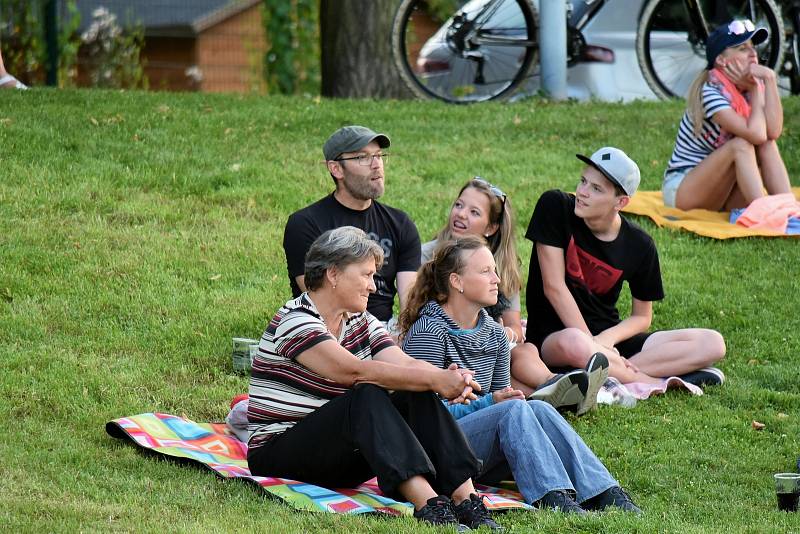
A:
x,y
610,34
481,51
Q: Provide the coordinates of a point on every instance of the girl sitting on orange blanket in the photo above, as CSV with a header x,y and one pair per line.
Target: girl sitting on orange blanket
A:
x,y
726,151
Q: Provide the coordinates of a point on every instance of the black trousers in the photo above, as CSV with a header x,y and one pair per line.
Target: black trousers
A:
x,y
369,432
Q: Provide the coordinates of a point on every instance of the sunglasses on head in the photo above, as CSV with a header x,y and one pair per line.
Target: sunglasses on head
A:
x,y
739,27
496,191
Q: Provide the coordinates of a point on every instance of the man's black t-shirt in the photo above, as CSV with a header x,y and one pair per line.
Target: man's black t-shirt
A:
x,y
594,269
389,227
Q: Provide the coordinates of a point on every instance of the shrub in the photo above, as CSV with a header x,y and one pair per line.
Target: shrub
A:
x,y
113,55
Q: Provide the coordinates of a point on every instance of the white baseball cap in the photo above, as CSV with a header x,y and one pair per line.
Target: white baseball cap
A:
x,y
616,166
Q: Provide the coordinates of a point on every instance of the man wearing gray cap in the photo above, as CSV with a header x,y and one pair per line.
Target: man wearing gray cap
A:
x,y
355,158
584,251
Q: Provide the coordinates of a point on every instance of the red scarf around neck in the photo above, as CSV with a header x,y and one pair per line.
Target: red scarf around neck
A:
x,y
738,102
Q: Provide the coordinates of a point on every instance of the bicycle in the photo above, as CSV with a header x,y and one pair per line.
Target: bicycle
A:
x,y
791,69
485,50
670,39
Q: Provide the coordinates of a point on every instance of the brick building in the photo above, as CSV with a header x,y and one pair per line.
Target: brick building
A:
x,y
194,45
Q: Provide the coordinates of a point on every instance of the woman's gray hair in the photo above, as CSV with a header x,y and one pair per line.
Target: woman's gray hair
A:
x,y
338,248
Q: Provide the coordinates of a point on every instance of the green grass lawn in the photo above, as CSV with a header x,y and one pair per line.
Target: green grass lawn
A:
x,y
140,232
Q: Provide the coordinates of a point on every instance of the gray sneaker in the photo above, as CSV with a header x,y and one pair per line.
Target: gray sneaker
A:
x,y
563,390
597,370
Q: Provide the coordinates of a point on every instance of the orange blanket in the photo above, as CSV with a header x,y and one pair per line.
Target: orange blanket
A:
x,y
702,222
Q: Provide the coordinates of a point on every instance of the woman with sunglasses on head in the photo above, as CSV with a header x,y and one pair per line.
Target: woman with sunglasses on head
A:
x,y
446,323
482,209
726,152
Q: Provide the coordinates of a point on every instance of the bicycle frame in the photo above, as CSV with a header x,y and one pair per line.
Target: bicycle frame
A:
x,y
485,49
462,25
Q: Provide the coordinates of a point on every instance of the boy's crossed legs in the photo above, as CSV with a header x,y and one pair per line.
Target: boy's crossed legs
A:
x,y
663,353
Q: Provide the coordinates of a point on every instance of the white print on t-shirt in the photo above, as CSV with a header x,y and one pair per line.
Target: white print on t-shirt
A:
x,y
385,243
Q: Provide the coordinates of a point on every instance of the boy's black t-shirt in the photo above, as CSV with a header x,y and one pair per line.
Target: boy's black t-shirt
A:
x,y
594,269
391,228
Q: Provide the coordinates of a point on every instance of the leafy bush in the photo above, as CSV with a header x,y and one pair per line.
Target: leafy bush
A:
x,y
291,62
114,55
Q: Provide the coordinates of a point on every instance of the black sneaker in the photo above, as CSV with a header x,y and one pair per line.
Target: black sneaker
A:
x,y
614,496
707,376
439,511
473,513
560,501
597,369
563,390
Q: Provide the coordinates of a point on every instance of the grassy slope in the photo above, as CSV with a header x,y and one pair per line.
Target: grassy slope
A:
x,y
140,232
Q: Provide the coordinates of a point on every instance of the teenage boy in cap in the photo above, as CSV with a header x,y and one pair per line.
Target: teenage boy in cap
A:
x,y
725,151
355,157
584,251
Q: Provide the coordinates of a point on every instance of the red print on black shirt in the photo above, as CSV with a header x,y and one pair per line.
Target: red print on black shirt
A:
x,y
584,269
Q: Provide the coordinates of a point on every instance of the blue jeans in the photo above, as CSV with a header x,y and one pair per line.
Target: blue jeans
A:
x,y
532,442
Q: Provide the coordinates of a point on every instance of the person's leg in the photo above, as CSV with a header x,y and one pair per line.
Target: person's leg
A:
x,y
573,348
587,473
675,352
773,170
735,199
441,439
508,433
710,183
345,442
455,463
528,371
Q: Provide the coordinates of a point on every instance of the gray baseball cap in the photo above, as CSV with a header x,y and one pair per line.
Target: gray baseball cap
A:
x,y
616,166
350,139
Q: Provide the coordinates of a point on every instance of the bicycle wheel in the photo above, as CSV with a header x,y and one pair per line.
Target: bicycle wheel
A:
x,y
794,49
481,52
670,40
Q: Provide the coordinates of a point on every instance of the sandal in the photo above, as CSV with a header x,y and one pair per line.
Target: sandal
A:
x,y
4,80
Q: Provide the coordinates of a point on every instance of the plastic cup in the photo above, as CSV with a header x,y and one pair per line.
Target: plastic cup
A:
x,y
787,488
241,354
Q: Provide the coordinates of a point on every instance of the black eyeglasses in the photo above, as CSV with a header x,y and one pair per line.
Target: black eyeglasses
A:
x,y
496,191
366,159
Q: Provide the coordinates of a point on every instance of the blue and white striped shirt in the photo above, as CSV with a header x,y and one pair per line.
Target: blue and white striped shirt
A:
x,y
690,150
436,338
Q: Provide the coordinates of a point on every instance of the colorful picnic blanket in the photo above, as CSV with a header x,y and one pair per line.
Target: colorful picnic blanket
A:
x,y
213,446
702,222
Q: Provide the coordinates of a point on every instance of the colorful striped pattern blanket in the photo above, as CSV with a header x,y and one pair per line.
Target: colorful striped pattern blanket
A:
x,y
213,446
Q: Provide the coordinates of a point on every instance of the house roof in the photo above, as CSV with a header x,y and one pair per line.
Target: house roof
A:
x,y
166,18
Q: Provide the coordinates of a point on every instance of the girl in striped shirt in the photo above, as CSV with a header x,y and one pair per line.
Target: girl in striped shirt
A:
x,y
726,152
482,209
445,323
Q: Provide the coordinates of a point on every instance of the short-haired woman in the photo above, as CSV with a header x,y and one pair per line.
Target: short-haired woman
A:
x,y
482,209
445,323
726,152
333,401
